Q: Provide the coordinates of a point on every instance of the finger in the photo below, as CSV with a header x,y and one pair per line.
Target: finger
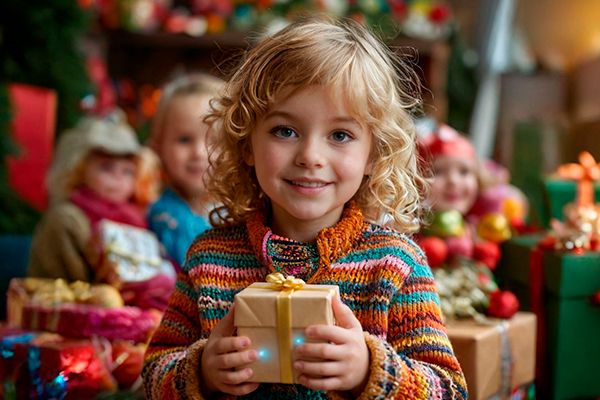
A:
x,y
225,326
319,369
237,377
317,383
328,333
344,316
236,359
231,344
320,352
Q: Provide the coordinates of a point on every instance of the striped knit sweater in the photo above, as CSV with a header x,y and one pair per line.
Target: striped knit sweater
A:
x,y
382,275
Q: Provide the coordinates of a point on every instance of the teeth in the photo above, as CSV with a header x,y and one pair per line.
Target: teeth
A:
x,y
309,184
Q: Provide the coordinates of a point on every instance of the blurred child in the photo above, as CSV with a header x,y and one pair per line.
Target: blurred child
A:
x,y
100,171
456,171
471,214
315,143
181,139
94,175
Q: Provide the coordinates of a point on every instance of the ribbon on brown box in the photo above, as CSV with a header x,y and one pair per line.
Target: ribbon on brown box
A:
x,y
286,285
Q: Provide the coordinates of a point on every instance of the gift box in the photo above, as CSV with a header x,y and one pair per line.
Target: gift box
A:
x,y
15,380
560,292
130,254
86,321
69,370
560,192
274,318
496,357
50,292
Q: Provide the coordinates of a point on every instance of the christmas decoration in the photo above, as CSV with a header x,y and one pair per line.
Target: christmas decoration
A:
x,y
425,19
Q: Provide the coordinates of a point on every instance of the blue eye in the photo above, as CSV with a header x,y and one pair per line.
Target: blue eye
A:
x,y
340,136
284,132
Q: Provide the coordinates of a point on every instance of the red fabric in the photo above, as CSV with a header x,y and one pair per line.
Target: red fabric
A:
x,y
32,129
96,208
446,142
536,290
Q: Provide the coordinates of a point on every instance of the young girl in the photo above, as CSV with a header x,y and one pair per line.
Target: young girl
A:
x,y
181,139
316,142
96,174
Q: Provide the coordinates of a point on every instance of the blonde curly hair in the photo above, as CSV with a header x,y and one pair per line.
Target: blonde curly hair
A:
x,y
343,55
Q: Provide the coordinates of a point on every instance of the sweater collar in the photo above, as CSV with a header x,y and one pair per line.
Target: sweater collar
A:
x,y
332,243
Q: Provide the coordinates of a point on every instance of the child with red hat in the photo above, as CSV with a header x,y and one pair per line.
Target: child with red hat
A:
x,y
457,236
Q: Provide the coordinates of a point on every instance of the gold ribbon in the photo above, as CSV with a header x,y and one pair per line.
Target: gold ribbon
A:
x,y
286,286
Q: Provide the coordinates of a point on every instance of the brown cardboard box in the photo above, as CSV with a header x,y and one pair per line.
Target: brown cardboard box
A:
x,y
479,350
256,316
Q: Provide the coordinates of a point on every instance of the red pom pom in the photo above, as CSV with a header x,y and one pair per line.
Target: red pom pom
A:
x,y
435,249
503,304
488,253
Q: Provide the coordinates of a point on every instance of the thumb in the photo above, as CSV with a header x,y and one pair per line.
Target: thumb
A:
x,y
225,327
344,317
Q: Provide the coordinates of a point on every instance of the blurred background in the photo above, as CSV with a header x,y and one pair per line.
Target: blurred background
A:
x,y
518,77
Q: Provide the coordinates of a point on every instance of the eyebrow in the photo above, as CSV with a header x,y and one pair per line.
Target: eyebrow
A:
x,y
284,114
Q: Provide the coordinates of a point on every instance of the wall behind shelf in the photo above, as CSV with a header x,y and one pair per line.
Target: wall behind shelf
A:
x,y
153,58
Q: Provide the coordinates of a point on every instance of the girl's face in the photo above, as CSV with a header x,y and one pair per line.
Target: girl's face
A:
x,y
184,147
111,177
310,157
455,184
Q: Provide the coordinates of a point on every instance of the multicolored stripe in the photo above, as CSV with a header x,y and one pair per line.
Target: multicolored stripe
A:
x,y
382,275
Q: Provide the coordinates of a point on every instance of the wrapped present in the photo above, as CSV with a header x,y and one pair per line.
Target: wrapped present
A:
x,y
560,192
15,381
130,254
51,292
559,287
69,370
496,357
85,321
274,315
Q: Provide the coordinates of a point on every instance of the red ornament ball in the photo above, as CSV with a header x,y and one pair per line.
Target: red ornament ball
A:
x,y
488,253
435,249
503,304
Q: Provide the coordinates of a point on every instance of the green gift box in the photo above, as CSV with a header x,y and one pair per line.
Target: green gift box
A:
x,y
559,193
572,321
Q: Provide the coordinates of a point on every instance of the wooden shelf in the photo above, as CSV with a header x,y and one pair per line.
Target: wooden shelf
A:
x,y
153,57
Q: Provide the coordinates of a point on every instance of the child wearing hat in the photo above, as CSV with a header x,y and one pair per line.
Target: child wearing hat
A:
x,y
100,171
466,224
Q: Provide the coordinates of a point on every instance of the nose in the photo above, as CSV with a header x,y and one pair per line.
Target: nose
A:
x,y
310,153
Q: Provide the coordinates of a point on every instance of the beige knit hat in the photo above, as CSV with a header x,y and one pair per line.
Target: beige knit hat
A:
x,y
110,134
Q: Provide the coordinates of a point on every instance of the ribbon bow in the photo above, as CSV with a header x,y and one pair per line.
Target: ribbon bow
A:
x,y
282,282
585,173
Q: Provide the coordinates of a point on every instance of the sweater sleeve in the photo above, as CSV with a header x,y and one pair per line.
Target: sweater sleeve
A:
x,y
416,359
59,247
172,361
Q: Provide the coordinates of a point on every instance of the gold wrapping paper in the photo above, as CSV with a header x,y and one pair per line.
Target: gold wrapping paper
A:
x,y
257,317
479,350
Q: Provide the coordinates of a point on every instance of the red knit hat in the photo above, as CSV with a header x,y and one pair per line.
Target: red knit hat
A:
x,y
446,141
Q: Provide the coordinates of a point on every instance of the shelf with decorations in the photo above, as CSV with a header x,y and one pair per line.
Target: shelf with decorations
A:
x,y
145,52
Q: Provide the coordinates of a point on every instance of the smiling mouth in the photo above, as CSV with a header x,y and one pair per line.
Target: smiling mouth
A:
x,y
305,184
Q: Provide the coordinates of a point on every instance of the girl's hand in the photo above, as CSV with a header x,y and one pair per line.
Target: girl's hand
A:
x,y
342,362
223,359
